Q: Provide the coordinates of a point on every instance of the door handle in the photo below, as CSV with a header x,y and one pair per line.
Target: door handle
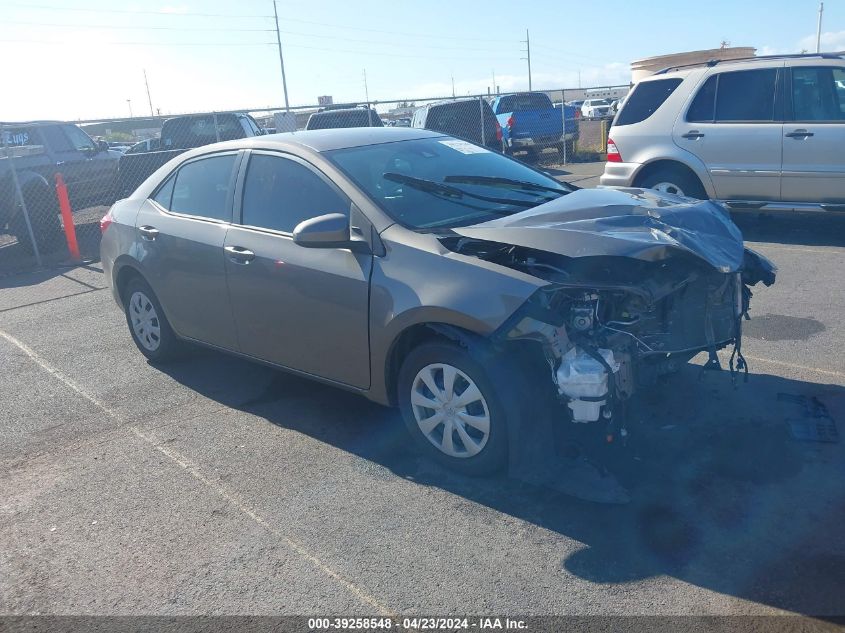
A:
x,y
148,233
693,134
802,134
239,254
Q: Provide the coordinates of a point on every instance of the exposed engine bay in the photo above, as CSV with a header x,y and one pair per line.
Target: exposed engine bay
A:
x,y
610,324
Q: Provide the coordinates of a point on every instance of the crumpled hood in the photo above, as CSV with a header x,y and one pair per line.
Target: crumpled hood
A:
x,y
636,223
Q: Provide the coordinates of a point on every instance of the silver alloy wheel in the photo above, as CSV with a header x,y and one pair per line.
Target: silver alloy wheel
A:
x,y
450,410
668,187
145,323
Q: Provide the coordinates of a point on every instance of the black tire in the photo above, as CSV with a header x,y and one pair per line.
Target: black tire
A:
x,y
684,181
43,208
493,454
168,344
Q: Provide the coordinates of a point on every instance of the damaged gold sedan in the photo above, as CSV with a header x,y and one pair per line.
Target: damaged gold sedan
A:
x,y
430,273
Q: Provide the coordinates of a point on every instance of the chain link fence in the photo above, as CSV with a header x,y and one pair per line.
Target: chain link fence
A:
x,y
57,180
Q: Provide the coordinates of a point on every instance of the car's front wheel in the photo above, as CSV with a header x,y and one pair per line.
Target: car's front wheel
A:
x,y
147,323
451,409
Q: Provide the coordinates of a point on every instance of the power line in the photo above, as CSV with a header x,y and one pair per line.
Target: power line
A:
x,y
131,12
403,44
370,52
425,35
31,41
142,28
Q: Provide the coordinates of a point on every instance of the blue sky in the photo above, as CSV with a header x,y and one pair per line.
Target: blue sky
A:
x,y
84,59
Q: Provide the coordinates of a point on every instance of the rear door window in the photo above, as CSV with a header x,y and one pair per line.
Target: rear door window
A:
x,y
279,193
202,187
746,95
818,94
646,98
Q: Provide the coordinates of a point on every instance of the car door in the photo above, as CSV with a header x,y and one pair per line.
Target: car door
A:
x,y
181,233
303,308
734,126
814,136
94,170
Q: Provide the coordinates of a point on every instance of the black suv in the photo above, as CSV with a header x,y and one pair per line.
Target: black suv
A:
x,y
346,117
470,119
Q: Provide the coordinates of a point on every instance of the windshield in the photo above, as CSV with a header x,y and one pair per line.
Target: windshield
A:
x,y
442,182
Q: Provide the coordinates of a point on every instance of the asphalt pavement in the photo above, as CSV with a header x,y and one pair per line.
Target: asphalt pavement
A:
x,y
215,486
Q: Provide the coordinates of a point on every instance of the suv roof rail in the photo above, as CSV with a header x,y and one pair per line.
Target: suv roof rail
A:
x,y
716,62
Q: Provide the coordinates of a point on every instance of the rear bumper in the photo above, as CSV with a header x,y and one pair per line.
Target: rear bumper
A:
x,y
619,174
540,141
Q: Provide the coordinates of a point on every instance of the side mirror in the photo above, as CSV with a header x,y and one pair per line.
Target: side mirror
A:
x,y
102,146
324,231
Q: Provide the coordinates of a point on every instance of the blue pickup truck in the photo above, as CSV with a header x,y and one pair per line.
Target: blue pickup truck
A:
x,y
530,122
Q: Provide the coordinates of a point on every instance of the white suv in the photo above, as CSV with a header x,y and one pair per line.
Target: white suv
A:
x,y
762,133
595,109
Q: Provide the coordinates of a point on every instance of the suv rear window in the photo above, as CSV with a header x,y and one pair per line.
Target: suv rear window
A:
x,y
645,99
527,101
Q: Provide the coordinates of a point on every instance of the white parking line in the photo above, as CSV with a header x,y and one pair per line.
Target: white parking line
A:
x,y
829,372
196,473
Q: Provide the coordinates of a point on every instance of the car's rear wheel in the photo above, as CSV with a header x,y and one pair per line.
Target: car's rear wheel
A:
x,y
147,323
674,180
451,409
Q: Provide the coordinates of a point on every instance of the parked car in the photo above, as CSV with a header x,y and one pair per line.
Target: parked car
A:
x,y
147,145
423,271
40,149
764,133
346,117
596,109
470,119
179,134
530,122
402,122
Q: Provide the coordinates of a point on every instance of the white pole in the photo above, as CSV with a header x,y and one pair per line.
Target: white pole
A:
x,y
281,59
819,30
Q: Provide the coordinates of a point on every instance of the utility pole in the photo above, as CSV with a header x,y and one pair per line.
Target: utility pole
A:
x,y
527,51
819,29
453,86
129,103
281,58
366,90
149,99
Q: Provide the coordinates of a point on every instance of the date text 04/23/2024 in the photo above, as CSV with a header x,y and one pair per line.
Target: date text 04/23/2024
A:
x,y
416,623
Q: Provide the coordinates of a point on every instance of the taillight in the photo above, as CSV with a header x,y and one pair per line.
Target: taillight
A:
x,y
498,131
510,121
613,155
106,221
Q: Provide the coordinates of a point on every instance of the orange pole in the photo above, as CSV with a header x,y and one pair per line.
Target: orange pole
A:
x,y
67,217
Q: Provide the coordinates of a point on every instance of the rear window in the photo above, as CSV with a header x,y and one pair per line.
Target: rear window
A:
x,y
355,118
20,137
646,98
527,101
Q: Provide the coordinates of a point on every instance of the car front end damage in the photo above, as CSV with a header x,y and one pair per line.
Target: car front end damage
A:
x,y
637,286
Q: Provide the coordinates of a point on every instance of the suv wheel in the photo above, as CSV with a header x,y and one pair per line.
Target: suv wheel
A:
x,y
451,409
675,180
149,327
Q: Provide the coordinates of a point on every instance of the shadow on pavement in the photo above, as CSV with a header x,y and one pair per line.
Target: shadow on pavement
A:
x,y
808,229
721,495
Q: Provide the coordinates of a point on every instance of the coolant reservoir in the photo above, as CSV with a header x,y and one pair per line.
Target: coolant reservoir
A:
x,y
582,376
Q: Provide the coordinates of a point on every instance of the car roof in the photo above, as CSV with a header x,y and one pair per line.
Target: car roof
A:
x,y
329,139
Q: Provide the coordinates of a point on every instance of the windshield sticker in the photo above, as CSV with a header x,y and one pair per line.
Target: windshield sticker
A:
x,y
464,148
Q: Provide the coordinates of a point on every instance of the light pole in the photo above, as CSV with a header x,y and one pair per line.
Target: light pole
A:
x,y
819,29
281,59
129,103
